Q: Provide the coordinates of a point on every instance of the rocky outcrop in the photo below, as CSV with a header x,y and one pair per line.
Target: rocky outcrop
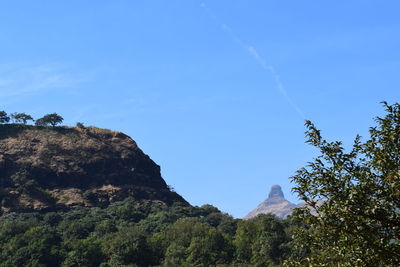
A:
x,y
43,168
275,204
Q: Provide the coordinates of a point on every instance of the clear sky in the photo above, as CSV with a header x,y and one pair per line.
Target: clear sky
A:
x,y
216,92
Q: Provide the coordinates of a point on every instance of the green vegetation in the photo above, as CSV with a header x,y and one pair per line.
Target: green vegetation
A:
x,y
352,218
80,125
21,118
358,222
50,119
132,233
4,118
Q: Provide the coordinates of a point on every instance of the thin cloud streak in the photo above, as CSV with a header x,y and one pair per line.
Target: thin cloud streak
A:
x,y
255,55
17,80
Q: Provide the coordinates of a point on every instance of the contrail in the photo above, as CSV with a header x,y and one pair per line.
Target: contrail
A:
x,y
255,55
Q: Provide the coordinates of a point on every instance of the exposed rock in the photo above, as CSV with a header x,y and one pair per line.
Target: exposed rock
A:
x,y
69,197
275,204
44,168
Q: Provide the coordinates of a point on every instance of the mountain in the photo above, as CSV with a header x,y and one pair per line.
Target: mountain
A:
x,y
53,168
275,204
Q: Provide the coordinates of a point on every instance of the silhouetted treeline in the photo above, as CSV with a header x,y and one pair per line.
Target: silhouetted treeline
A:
x,y
22,118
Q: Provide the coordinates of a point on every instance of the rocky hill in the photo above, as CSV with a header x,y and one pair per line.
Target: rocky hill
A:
x,y
53,168
275,204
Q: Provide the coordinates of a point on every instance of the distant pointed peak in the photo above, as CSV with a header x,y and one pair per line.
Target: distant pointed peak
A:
x,y
275,204
276,191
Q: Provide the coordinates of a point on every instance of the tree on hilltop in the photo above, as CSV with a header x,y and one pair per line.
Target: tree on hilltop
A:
x,y
50,119
21,117
4,118
80,125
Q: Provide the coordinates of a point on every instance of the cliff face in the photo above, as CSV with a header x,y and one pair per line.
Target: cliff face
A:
x,y
275,204
59,167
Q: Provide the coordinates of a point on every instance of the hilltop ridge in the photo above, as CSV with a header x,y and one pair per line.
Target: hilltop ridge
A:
x,y
50,168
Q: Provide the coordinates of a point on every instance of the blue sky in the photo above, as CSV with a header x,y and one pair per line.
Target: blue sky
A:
x,y
216,92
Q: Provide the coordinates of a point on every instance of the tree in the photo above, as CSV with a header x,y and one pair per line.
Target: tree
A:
x,y
38,246
209,249
4,118
85,252
21,117
128,246
80,125
353,198
22,182
50,119
191,242
261,241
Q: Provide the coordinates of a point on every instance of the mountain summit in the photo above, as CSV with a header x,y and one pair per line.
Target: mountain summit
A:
x,y
276,192
275,204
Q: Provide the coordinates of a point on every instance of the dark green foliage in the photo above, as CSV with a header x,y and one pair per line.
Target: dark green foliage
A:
x,y
356,221
128,246
261,241
84,252
4,118
22,182
194,242
38,246
41,122
50,119
21,117
80,125
132,233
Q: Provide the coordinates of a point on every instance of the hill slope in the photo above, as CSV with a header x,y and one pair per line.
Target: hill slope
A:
x,y
50,168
